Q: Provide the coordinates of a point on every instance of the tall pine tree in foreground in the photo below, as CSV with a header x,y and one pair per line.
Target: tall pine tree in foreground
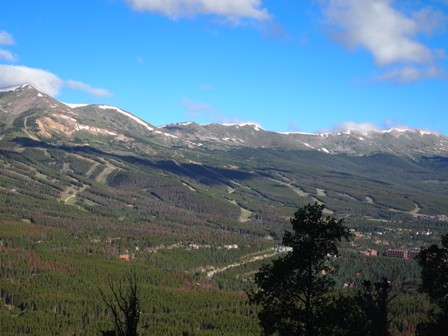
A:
x,y
295,291
434,272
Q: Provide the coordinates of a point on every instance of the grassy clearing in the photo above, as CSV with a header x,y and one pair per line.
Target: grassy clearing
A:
x,y
300,192
102,177
321,192
244,213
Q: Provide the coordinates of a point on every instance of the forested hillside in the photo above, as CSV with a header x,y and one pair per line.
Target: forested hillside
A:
x,y
89,193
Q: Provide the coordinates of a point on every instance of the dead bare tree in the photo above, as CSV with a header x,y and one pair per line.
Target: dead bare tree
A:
x,y
124,305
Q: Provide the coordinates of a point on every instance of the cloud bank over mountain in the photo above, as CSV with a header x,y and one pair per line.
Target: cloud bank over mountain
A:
x,y
44,80
12,75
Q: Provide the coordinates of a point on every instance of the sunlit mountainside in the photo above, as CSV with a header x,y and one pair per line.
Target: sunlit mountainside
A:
x,y
94,186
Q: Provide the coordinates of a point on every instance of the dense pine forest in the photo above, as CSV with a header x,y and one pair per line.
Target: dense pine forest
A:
x,y
51,280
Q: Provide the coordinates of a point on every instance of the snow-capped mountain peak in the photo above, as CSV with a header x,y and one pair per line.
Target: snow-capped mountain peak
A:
x,y
256,126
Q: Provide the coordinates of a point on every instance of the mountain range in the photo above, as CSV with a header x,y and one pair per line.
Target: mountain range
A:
x,y
106,164
55,120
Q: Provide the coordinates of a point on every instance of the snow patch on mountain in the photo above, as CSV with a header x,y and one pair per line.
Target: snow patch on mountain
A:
x,y
256,126
63,116
138,120
298,133
308,145
75,105
166,134
94,130
179,124
399,130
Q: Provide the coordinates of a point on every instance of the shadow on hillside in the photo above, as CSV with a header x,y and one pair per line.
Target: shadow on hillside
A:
x,y
204,174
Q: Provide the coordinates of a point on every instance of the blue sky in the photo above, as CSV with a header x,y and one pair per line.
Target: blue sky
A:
x,y
288,65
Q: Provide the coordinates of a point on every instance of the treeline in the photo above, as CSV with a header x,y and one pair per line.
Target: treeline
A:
x,y
297,292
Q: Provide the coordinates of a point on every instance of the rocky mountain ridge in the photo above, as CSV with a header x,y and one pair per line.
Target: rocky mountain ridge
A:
x,y
407,142
45,118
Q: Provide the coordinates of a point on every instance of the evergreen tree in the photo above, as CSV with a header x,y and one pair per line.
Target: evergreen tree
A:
x,y
295,290
374,303
434,272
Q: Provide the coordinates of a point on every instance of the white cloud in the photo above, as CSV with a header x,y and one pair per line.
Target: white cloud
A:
x,y
230,9
293,126
6,38
430,21
12,75
209,114
368,128
409,74
45,81
363,128
375,25
275,31
87,88
388,34
7,56
196,109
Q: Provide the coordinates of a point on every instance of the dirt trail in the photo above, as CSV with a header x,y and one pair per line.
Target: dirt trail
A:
x,y
69,196
244,213
26,129
416,212
266,254
297,190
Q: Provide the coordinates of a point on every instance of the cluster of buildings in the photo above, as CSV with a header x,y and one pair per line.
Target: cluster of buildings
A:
x,y
403,253
194,246
282,249
370,253
440,218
